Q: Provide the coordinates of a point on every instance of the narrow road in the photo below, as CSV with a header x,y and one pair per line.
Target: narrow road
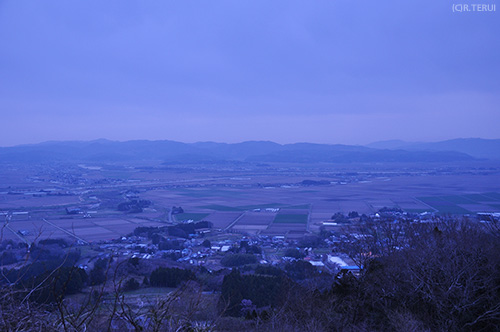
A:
x,y
235,221
17,234
65,231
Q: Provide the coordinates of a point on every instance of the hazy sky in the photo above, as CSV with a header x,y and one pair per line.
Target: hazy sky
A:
x,y
336,71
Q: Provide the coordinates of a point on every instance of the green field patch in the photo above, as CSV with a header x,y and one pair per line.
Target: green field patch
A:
x,y
290,219
191,216
217,207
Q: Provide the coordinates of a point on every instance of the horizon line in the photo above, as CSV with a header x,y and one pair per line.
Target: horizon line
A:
x,y
239,142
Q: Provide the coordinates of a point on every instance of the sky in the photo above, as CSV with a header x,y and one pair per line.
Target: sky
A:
x,y
337,71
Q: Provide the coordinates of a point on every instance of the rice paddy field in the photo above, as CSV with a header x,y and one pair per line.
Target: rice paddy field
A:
x,y
302,209
271,202
87,229
463,204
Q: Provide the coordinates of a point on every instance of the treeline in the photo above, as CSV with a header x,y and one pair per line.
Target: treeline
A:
x,y
49,274
170,277
41,259
262,290
52,286
180,230
134,206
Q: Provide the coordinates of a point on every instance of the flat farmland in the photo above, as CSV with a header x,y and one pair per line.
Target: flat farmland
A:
x,y
111,222
24,201
6,235
463,204
223,194
94,233
495,196
284,229
256,218
222,219
479,207
218,207
282,218
412,205
254,222
89,229
324,201
250,229
191,216
36,230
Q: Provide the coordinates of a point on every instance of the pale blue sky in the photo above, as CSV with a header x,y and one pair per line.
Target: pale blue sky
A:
x,y
337,71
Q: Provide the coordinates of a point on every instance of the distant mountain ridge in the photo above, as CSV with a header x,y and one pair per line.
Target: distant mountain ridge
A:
x,y
475,147
103,150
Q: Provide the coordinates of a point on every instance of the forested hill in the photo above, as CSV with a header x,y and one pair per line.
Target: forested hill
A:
x,y
210,152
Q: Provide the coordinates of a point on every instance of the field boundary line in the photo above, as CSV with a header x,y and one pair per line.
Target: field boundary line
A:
x,y
235,221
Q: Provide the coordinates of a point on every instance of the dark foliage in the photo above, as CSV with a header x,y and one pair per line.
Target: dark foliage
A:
x,y
134,261
171,245
43,260
177,210
170,277
183,230
353,214
340,218
268,270
300,270
312,241
98,274
230,260
262,290
47,242
172,255
392,209
130,285
444,278
49,286
134,206
294,253
146,231
8,257
157,238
